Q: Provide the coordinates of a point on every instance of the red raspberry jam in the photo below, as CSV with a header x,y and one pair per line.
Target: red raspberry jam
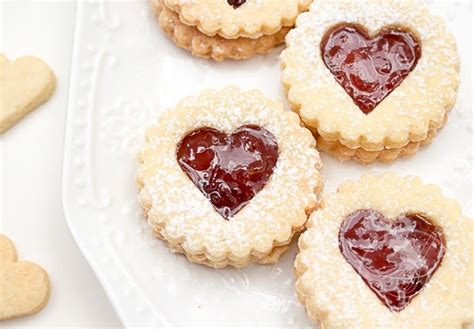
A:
x,y
369,69
236,3
229,169
395,258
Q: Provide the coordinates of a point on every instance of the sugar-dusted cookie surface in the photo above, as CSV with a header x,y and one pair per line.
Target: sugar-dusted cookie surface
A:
x,y
371,77
215,47
232,19
387,252
229,178
24,286
26,83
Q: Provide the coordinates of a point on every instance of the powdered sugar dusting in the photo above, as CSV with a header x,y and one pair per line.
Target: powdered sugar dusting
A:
x,y
217,48
350,302
417,105
251,20
185,217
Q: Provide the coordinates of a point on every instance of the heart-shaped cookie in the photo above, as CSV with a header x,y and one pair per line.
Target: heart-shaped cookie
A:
x,y
369,69
229,169
24,286
26,83
395,258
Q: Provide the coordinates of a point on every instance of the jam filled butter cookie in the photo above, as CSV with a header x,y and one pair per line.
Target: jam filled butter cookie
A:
x,y
228,29
229,178
387,252
373,80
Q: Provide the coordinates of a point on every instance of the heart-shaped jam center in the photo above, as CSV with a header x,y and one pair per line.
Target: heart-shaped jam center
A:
x,y
369,69
229,169
236,3
395,258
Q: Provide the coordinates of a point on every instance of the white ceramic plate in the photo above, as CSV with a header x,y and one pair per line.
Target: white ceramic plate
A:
x,y
125,72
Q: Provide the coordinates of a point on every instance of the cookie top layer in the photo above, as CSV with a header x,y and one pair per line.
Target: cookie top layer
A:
x,y
216,47
418,105
251,19
333,291
183,216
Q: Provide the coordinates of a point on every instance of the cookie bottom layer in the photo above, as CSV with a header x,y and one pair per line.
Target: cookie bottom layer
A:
x,y
360,155
271,257
216,48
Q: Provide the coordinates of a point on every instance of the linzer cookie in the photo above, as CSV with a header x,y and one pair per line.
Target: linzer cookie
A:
x,y
233,29
387,252
217,48
229,178
373,80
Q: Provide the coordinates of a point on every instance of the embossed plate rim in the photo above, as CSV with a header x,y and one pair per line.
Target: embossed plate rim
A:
x,y
73,85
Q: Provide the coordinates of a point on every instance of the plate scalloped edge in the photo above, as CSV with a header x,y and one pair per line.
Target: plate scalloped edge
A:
x,y
132,295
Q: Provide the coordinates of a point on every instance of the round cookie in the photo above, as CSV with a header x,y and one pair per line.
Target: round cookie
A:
x,y
229,178
373,76
387,252
232,19
216,47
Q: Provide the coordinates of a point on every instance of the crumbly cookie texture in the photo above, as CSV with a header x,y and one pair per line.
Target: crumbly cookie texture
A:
x,y
185,219
26,83
418,106
216,48
252,19
333,292
24,286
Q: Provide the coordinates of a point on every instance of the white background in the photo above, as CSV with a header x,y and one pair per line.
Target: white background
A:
x,y
31,154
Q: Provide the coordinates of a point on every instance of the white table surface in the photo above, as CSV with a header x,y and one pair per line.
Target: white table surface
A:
x,y
31,154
